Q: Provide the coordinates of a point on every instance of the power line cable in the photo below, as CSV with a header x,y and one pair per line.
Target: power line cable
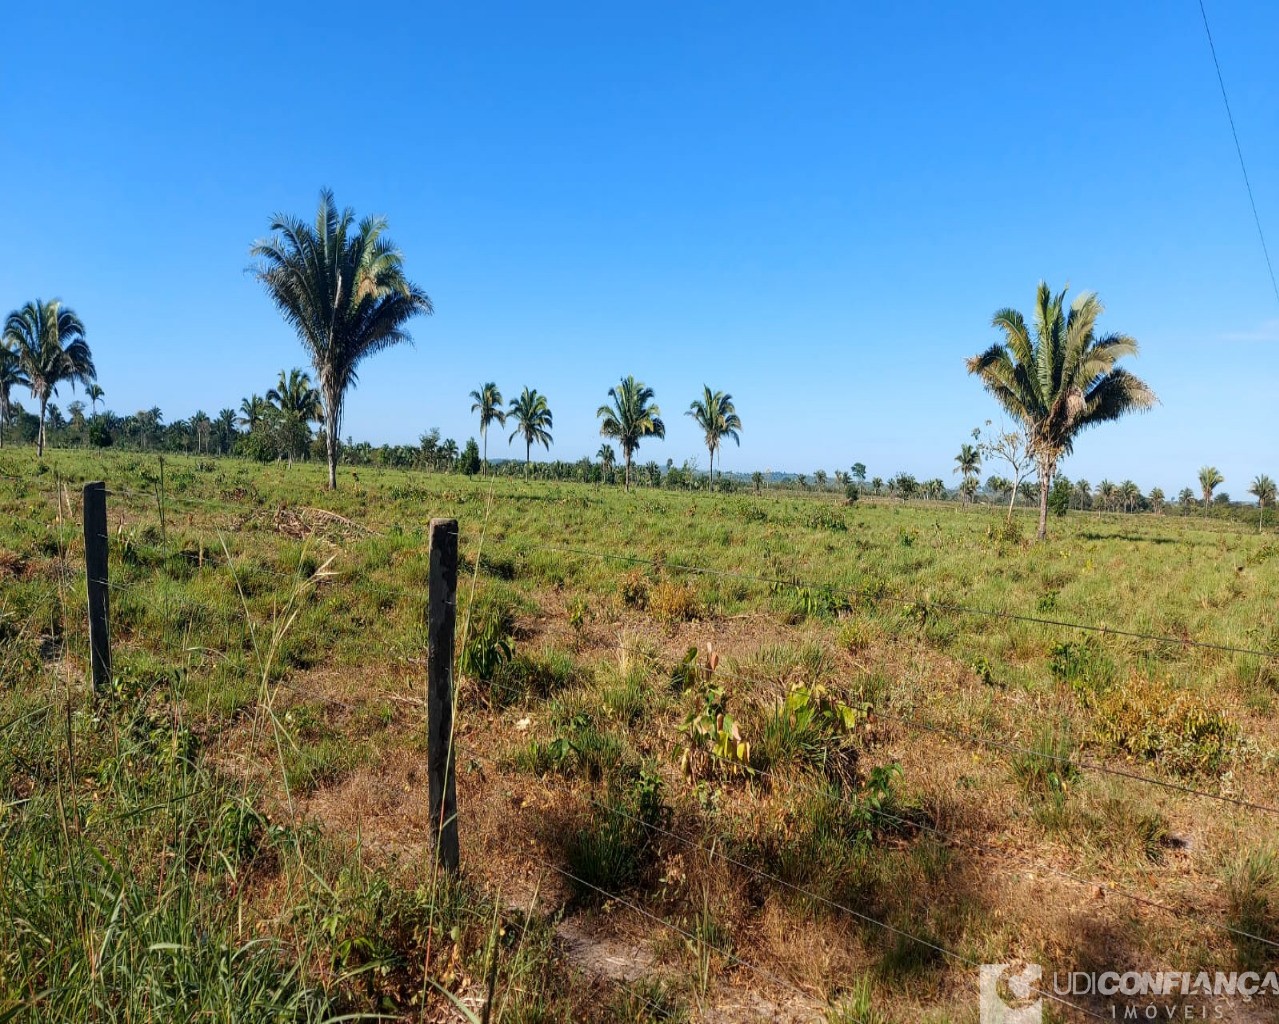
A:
x,y
1239,150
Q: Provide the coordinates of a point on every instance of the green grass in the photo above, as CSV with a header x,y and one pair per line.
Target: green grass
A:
x,y
132,829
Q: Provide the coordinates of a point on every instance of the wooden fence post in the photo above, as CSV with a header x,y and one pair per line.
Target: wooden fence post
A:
x,y
95,565
440,754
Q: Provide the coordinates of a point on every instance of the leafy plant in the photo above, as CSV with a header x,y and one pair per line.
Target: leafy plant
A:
x,y
713,742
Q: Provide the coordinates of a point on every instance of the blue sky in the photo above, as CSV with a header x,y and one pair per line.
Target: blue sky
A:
x,y
816,207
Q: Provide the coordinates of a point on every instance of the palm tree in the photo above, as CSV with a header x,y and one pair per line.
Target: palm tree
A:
x,y
1106,495
1083,493
968,462
632,417
201,425
488,403
757,480
342,287
1263,488
298,404
1061,380
1210,479
11,376
715,414
49,341
94,394
607,458
1157,500
533,422
1130,495
252,411
1186,499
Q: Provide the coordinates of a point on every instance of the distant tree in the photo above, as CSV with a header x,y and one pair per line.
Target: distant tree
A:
x,y
1263,489
1210,479
1108,495
632,417
253,411
1062,380
820,477
859,471
757,479
1157,500
224,428
11,376
1059,497
297,404
876,485
469,460
1130,495
533,422
448,454
1083,493
968,464
802,480
1013,447
488,403
1186,499
201,427
715,414
94,394
49,341
342,288
608,458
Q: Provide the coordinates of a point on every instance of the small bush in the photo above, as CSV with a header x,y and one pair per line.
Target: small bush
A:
x,y
1152,721
674,602
1046,769
610,853
633,589
1084,665
531,676
489,645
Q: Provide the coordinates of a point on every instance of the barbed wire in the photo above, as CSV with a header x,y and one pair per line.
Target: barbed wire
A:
x,y
928,604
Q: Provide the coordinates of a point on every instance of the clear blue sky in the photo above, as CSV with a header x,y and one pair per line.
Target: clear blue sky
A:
x,y
816,207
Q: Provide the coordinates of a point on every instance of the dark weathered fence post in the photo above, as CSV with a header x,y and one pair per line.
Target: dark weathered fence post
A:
x,y
95,565
441,757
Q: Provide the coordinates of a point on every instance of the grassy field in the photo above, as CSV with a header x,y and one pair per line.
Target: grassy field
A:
x,y
721,757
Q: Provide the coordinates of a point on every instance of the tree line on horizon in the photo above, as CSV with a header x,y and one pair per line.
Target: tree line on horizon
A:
x,y
340,284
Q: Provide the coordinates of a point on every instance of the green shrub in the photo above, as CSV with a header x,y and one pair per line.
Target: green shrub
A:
x,y
609,853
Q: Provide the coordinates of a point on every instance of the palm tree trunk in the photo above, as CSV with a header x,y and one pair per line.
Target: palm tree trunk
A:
x,y
1012,500
484,436
1045,478
528,457
331,438
44,400
628,472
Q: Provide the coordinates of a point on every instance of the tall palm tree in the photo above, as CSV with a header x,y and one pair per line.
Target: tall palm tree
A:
x,y
1083,493
49,341
94,394
533,422
201,425
1263,488
342,287
1061,380
11,376
1210,479
1130,495
1157,500
715,413
488,403
968,463
632,417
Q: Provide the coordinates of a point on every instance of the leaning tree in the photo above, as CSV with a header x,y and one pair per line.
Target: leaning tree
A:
x,y
1059,377
342,288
